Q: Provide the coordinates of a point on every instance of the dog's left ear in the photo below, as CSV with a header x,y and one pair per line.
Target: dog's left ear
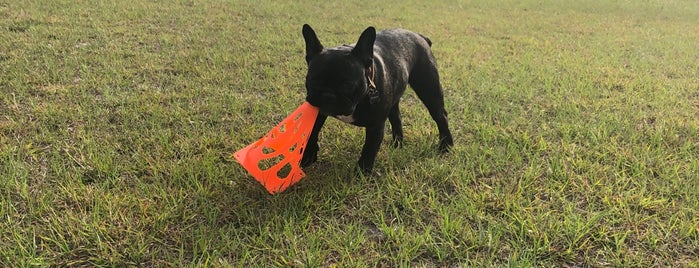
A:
x,y
364,49
313,45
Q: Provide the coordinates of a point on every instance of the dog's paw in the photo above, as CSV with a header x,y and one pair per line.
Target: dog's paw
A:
x,y
367,173
308,159
445,145
366,170
397,143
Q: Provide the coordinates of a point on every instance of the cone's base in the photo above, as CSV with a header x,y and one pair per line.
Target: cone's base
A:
x,y
274,160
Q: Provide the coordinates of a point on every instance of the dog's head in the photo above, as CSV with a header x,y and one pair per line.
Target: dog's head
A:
x,y
337,77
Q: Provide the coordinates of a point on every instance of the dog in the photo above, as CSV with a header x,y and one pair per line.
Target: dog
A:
x,y
361,84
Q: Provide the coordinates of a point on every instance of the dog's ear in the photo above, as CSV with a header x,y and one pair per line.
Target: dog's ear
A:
x,y
364,49
313,46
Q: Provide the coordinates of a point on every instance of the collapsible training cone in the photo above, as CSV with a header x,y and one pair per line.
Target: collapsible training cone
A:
x,y
275,159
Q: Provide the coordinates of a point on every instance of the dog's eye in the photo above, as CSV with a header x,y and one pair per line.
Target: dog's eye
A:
x,y
348,89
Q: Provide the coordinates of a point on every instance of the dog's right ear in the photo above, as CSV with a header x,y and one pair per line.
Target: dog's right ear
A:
x,y
313,46
364,49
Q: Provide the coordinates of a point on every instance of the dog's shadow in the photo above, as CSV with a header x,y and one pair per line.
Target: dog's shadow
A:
x,y
333,192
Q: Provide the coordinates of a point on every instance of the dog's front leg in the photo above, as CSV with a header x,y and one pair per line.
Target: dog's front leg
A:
x,y
310,154
372,143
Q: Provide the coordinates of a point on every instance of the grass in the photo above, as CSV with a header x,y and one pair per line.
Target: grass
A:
x,y
576,126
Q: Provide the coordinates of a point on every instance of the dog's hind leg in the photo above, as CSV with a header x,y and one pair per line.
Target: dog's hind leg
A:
x,y
396,126
424,79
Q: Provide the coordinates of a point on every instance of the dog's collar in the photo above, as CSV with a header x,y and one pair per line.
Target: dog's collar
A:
x,y
372,92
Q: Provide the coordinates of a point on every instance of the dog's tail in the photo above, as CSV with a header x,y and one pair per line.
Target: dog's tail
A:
x,y
429,42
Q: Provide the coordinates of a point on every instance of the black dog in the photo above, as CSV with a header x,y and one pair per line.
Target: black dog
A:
x,y
361,84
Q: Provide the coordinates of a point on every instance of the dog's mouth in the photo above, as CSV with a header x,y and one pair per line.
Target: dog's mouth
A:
x,y
330,106
349,119
333,112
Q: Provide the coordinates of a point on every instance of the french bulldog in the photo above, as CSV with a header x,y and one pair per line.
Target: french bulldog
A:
x,y
361,84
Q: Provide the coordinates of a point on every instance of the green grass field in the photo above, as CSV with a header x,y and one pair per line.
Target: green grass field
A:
x,y
576,127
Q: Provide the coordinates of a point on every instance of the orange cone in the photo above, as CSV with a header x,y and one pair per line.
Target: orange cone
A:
x,y
275,159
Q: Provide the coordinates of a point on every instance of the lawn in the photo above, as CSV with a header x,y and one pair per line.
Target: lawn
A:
x,y
576,128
